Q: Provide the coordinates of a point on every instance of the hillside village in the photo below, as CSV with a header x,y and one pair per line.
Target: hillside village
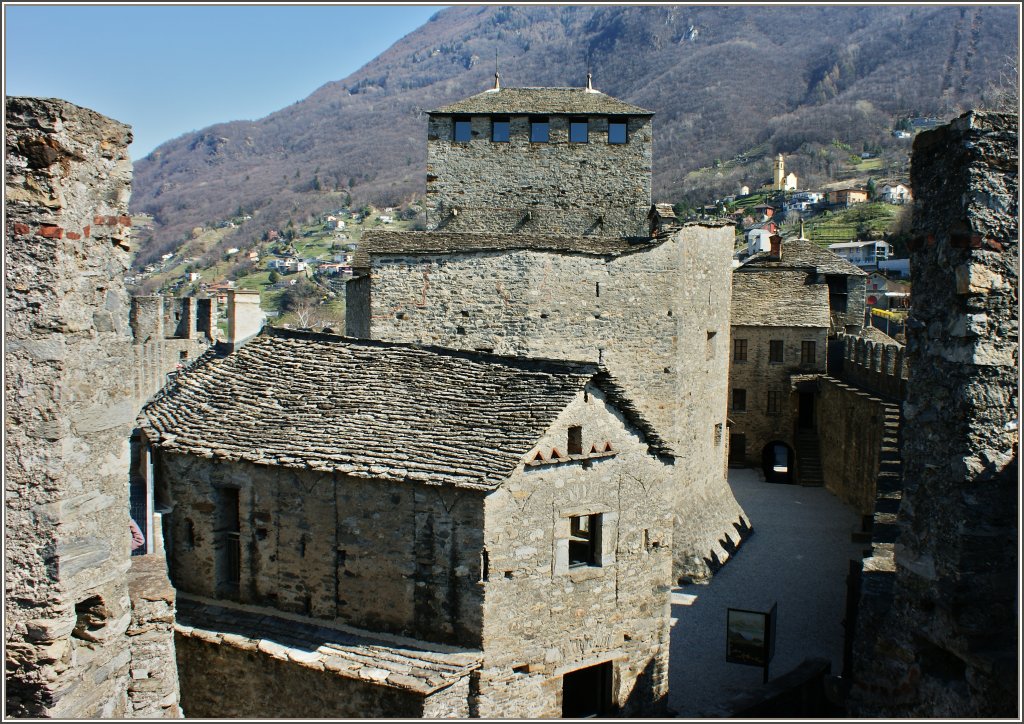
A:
x,y
476,490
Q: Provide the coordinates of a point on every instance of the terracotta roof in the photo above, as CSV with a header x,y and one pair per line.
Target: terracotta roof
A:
x,y
544,100
779,298
797,254
373,409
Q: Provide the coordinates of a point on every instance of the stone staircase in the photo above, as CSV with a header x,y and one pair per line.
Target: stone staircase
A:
x,y
808,459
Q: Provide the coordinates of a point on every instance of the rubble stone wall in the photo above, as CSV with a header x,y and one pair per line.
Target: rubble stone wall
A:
x,y
657,318
757,376
544,618
567,188
946,645
69,410
331,546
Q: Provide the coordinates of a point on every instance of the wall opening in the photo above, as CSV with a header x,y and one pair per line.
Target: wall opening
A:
x,y
777,462
587,693
575,443
737,448
226,543
91,615
585,540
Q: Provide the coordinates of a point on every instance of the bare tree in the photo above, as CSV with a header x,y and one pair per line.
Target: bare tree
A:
x,y
1004,94
308,315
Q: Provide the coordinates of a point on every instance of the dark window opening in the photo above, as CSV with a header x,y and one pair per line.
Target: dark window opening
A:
x,y
775,351
576,440
501,129
838,292
485,565
739,350
584,540
587,693
616,131
739,399
774,402
463,129
597,289
539,128
226,543
190,534
807,352
579,130
183,354
737,448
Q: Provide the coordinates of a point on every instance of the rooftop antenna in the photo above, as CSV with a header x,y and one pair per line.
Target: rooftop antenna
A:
x,y
497,76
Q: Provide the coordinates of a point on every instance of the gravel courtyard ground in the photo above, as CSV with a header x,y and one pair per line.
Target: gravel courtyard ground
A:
x,y
797,557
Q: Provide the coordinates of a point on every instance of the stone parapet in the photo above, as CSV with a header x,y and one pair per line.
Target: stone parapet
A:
x,y
880,368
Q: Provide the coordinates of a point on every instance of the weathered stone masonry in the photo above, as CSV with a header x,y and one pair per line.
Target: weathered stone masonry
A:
x,y
70,405
943,640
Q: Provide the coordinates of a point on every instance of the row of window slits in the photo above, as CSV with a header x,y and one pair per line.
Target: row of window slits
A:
x,y
501,130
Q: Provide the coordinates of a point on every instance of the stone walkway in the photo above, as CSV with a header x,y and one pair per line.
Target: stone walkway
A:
x,y
797,557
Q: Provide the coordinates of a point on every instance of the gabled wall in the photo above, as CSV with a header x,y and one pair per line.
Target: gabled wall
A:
x,y
543,618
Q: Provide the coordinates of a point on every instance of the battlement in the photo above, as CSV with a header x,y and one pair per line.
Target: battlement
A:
x,y
879,368
157,317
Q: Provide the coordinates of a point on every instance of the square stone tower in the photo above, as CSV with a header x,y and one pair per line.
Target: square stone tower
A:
x,y
542,161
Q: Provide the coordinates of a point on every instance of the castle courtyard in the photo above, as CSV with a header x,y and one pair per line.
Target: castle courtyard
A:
x,y
797,558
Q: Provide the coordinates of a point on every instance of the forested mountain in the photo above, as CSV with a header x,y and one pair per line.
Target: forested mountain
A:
x,y
721,80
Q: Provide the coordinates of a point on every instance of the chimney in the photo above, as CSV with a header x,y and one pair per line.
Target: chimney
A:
x,y
245,318
775,252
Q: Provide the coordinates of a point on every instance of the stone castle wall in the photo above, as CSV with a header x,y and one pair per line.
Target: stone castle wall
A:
x,y
758,376
657,318
543,618
943,640
881,368
167,332
555,187
70,407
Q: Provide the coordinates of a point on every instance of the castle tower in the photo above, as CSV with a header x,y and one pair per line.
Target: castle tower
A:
x,y
540,160
779,176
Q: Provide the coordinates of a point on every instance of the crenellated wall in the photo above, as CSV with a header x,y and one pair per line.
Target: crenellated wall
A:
x,y
880,368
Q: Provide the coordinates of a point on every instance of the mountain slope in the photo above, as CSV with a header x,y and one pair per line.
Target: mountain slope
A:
x,y
720,79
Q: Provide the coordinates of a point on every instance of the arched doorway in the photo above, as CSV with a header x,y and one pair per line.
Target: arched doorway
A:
x,y
777,461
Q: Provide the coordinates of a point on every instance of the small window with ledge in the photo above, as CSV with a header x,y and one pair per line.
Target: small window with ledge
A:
x,y
539,129
463,129
617,130
585,540
579,130
501,129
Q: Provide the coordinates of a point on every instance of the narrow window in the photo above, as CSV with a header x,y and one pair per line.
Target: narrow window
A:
x,y
539,129
584,540
183,354
597,288
579,131
463,128
739,399
616,131
807,352
485,565
717,437
775,351
575,440
226,544
774,402
709,352
500,129
739,350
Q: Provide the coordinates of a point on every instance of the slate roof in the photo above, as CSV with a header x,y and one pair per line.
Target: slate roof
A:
x,y
801,254
543,100
379,242
781,298
373,409
345,651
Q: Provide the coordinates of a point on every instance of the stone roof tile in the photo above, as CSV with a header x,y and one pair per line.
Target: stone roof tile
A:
x,y
373,409
543,100
779,298
797,253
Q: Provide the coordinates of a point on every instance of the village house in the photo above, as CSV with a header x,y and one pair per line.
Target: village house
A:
x,y
895,194
864,254
846,197
787,303
362,528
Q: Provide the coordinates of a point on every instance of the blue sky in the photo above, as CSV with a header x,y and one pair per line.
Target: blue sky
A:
x,y
170,69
